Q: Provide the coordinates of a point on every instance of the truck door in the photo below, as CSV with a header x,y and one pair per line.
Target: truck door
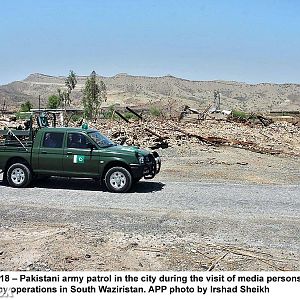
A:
x,y
51,153
78,159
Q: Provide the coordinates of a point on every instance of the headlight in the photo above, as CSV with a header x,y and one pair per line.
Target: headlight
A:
x,y
141,160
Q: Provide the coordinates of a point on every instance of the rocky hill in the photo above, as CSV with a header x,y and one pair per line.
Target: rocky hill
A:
x,y
167,90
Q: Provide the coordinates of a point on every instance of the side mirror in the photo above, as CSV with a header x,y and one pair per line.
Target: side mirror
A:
x,y
91,146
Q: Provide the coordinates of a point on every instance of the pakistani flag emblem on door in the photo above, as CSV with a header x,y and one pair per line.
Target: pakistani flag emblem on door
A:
x,y
78,159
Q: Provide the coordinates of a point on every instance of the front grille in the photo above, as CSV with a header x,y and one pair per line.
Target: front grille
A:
x,y
151,165
147,158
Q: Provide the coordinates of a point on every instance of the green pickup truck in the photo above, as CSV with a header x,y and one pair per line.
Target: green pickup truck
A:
x,y
73,152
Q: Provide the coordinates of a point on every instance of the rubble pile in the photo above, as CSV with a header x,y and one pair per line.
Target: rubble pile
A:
x,y
277,138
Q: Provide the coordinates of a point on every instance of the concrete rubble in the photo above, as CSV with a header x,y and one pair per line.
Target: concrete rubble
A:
x,y
280,138
277,138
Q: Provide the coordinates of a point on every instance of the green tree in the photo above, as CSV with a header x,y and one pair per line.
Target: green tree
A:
x,y
94,93
27,106
53,102
64,95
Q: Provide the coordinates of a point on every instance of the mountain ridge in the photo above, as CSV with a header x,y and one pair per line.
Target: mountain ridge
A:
x,y
125,89
157,77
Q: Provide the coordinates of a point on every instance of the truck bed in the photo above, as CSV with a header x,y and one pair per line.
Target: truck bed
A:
x,y
14,138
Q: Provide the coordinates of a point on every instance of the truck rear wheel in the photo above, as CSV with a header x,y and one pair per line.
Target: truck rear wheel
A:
x,y
118,180
19,175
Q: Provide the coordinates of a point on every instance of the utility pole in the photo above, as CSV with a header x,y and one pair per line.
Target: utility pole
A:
x,y
39,102
217,101
4,106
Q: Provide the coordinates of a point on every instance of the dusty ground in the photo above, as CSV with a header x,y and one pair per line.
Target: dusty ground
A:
x,y
44,247
226,164
29,244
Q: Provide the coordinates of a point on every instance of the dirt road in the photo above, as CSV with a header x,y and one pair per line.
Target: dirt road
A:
x,y
65,224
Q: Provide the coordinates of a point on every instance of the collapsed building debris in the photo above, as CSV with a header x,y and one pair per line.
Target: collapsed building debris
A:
x,y
200,115
154,133
276,138
121,116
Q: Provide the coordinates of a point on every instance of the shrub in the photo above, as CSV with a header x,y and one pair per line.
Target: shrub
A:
x,y
76,117
129,115
154,111
240,115
109,113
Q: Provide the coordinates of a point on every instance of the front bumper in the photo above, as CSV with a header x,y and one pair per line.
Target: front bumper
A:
x,y
149,169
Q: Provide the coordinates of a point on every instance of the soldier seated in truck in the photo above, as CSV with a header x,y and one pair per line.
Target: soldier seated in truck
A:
x,y
76,140
52,140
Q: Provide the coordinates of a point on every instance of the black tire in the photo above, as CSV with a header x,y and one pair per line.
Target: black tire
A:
x,y
118,180
19,175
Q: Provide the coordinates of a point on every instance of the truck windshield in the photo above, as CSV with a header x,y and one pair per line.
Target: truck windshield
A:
x,y
100,139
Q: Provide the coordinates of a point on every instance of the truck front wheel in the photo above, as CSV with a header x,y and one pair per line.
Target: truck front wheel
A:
x,y
118,180
19,175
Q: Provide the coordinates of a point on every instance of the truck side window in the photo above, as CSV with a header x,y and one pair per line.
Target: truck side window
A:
x,y
77,140
53,140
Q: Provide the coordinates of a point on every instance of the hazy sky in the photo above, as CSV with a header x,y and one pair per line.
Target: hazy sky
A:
x,y
245,40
